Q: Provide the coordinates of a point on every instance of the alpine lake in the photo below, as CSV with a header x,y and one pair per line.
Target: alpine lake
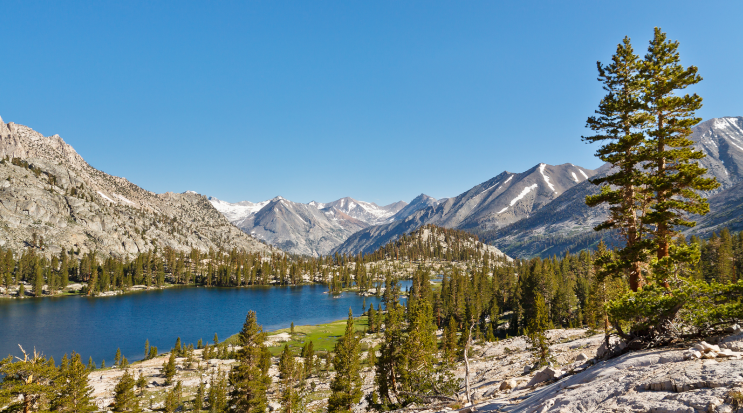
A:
x,y
96,326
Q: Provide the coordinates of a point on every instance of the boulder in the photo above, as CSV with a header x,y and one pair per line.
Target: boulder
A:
x,y
705,347
548,373
581,357
615,344
508,384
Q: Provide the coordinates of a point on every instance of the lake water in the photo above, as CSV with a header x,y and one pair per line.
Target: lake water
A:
x,y
98,326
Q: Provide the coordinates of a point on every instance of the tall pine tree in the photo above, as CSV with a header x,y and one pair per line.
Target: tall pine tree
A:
x,y
249,377
619,122
674,171
346,385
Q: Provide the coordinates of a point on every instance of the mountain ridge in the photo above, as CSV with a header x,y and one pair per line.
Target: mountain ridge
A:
x,y
49,192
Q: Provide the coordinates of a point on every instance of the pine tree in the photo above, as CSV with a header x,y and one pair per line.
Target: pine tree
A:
x,y
535,329
169,368
39,281
675,174
308,356
178,349
141,383
198,402
390,359
173,398
125,400
372,316
419,375
289,375
346,385
249,377
117,357
218,394
74,394
450,340
28,385
146,349
620,121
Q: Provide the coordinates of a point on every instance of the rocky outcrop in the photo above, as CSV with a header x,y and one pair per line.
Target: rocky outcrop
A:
x,y
51,199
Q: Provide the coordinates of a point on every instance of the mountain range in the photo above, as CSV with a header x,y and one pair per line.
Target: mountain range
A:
x,y
567,223
52,200
540,211
314,228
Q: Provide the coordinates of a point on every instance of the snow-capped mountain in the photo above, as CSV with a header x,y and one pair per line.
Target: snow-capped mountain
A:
x,y
309,229
540,211
499,201
368,212
237,211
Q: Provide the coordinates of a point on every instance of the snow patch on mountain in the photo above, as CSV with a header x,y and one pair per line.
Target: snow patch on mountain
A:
x,y
237,211
523,193
546,178
104,196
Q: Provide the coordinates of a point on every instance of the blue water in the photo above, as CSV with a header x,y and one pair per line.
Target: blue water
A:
x,y
96,327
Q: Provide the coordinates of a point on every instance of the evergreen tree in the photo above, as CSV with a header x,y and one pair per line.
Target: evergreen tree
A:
x,y
146,349
249,377
535,329
39,281
675,174
141,383
117,357
125,400
390,360
450,340
28,385
173,398
419,375
620,120
198,402
308,356
346,385
74,395
169,368
178,349
289,375
218,394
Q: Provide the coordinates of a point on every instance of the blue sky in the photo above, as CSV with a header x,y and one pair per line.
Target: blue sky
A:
x,y
377,100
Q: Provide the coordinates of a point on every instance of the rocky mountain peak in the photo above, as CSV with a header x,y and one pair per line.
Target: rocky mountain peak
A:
x,y
49,190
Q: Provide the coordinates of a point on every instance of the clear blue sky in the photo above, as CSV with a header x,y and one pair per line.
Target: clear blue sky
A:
x,y
318,100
